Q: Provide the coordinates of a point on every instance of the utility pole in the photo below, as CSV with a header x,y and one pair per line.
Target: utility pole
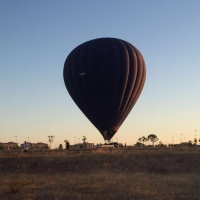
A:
x,y
84,140
51,139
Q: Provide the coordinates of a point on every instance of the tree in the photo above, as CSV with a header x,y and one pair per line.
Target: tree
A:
x,y
60,146
160,144
152,138
141,141
144,139
67,144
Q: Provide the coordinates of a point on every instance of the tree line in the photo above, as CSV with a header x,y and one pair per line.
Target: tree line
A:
x,y
150,138
153,139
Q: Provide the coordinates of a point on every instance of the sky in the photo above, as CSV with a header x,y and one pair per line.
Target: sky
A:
x,y
36,37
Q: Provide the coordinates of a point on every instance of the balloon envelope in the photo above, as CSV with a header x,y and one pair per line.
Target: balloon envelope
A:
x,y
105,77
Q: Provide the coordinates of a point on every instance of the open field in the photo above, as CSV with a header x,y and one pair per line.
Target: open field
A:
x,y
137,173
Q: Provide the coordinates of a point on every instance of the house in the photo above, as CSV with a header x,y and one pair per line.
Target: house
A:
x,y
88,145
9,145
184,144
38,145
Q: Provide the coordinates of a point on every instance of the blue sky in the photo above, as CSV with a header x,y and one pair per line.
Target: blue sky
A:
x,y
36,37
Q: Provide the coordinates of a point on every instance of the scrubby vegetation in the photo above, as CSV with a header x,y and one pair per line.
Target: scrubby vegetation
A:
x,y
137,173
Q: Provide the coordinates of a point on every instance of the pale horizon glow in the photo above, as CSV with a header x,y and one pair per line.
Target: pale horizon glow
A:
x,y
37,36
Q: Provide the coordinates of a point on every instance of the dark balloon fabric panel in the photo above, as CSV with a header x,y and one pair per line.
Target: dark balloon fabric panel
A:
x,y
105,77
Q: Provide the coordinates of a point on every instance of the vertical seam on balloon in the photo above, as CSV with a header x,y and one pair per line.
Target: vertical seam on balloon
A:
x,y
122,45
137,87
134,67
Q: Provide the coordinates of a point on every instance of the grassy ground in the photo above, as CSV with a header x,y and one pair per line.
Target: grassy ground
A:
x,y
140,174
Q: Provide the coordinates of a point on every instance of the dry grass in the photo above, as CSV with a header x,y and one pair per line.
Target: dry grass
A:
x,y
139,174
15,185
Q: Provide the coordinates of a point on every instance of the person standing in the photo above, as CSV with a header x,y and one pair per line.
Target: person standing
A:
x,y
25,147
67,145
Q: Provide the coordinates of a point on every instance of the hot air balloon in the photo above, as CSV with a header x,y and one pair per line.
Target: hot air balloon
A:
x,y
105,77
